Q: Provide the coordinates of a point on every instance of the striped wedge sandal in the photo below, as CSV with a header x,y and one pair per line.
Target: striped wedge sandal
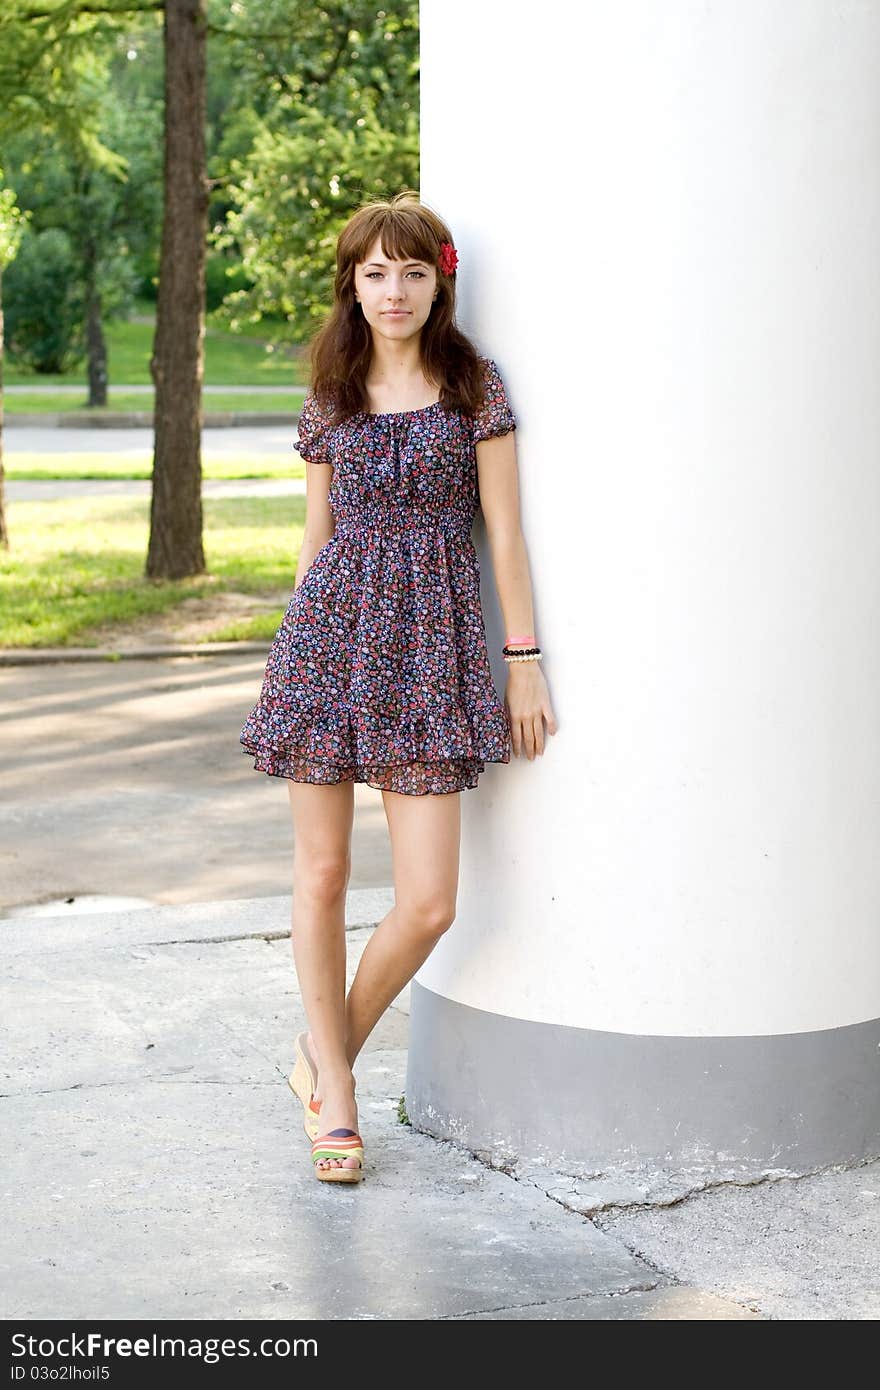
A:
x,y
339,1143
302,1081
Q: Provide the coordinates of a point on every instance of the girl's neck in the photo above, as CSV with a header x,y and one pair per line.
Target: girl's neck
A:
x,y
396,381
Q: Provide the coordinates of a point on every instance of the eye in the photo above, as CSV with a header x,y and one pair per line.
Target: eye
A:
x,y
419,273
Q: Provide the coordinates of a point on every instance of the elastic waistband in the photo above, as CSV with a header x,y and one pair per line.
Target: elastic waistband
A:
x,y
355,525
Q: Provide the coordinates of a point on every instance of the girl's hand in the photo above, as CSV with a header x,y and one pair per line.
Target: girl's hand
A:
x,y
527,701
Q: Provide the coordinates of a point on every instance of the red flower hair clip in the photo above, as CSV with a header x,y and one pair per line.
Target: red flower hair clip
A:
x,y
448,257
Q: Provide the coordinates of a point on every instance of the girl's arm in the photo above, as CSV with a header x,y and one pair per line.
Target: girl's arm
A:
x,y
527,698
320,525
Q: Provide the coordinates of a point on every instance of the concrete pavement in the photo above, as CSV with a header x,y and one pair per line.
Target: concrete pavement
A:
x,y
156,1164
155,1161
136,443
127,778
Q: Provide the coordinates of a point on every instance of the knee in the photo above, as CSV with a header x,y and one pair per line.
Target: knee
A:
x,y
322,878
429,917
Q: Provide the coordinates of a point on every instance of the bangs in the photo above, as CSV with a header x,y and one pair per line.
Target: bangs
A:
x,y
402,237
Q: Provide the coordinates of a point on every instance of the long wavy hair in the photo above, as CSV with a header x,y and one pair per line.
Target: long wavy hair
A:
x,y
341,350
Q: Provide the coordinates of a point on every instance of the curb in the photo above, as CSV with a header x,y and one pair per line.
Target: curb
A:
x,y
41,655
139,419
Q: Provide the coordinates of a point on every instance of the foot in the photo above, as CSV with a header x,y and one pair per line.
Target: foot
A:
x,y
313,1058
338,1111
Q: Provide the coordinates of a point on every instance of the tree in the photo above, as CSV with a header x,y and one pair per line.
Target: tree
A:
x,y
104,205
12,223
177,364
39,40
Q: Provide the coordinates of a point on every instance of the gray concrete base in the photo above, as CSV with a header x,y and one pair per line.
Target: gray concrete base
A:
x,y
673,1112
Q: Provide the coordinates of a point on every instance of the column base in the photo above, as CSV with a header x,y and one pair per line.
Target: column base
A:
x,y
588,1102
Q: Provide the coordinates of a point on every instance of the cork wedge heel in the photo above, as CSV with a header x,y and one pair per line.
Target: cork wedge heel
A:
x,y
302,1081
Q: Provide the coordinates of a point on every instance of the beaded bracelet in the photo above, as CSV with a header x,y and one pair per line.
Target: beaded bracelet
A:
x,y
521,654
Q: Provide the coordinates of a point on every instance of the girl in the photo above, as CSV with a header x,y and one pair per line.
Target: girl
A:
x,y
379,672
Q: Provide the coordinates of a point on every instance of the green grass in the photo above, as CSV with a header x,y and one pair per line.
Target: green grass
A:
x,y
77,564
44,403
249,629
139,464
230,360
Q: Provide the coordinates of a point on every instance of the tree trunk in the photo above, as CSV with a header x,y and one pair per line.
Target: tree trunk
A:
x,y
175,548
96,345
4,534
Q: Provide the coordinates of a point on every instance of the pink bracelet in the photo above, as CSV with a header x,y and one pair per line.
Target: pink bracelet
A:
x,y
529,638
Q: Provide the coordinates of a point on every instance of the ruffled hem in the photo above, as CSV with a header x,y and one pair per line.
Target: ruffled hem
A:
x,y
411,779
414,757
363,739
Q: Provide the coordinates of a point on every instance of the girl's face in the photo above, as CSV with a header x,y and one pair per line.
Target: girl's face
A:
x,y
395,296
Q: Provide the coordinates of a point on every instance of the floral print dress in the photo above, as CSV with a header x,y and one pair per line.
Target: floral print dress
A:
x,y
379,672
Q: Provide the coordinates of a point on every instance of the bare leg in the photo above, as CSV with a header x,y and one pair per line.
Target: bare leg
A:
x,y
322,822
425,837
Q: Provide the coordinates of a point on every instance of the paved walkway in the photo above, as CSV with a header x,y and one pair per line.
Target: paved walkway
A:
x,y
159,1167
148,1051
136,443
127,778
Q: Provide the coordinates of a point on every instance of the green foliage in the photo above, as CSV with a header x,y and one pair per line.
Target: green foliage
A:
x,y
333,92
223,276
311,110
112,216
292,198
13,223
43,303
52,58
230,359
83,148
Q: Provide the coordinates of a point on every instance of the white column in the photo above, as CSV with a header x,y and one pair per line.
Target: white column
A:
x,y
667,950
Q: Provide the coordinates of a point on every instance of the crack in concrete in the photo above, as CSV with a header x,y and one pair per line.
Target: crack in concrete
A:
x,y
657,1203
713,1185
267,936
134,1081
247,1043
244,936
553,1302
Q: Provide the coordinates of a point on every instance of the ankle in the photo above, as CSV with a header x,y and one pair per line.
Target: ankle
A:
x,y
339,1089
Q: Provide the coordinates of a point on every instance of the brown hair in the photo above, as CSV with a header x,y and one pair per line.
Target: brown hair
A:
x,y
341,349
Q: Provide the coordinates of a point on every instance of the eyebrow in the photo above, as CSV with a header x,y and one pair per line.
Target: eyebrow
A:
x,y
382,264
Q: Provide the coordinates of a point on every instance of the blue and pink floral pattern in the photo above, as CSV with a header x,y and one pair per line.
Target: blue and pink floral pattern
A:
x,y
379,672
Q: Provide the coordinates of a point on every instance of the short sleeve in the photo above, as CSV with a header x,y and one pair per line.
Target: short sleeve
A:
x,y
313,433
495,416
